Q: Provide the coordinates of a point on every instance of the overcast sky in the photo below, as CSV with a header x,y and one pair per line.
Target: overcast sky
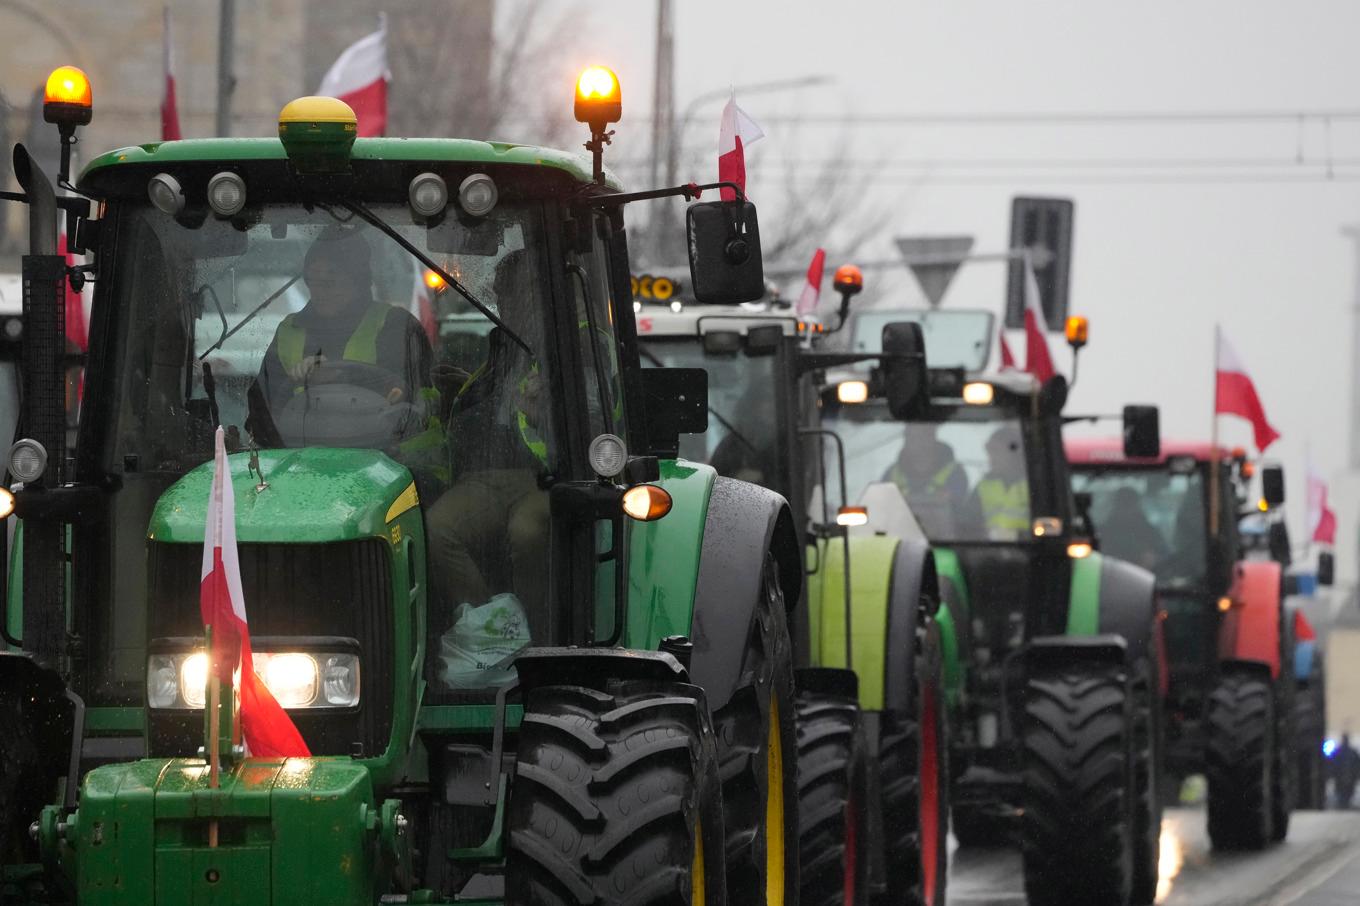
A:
x,y
1230,222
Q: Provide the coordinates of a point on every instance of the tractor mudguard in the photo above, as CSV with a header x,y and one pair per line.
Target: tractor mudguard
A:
x,y
890,578
1110,597
744,524
1250,630
595,667
1063,650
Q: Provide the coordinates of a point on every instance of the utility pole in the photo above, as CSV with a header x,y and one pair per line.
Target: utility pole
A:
x,y
226,77
661,236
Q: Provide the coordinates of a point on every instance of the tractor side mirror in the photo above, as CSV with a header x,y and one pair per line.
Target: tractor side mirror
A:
x,y
676,403
905,376
1326,568
1277,536
1272,484
1142,432
724,252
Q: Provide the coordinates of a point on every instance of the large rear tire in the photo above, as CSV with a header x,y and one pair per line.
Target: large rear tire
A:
x,y
1077,825
1239,761
833,801
616,799
757,748
1147,785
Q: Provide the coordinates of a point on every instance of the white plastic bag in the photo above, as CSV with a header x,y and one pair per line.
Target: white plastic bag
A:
x,y
482,639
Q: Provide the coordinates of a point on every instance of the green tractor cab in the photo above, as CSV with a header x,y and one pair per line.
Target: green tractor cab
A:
x,y
1060,657
871,722
527,647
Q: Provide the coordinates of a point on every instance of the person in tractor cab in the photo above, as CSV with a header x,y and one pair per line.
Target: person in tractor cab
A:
x,y
341,326
488,533
1128,533
1002,495
932,480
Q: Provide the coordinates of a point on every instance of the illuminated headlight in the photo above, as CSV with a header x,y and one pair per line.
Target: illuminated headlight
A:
x,y
296,679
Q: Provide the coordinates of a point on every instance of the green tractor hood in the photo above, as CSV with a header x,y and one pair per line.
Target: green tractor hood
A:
x,y
314,494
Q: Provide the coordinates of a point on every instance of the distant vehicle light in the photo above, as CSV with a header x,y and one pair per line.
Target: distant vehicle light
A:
x,y
1047,526
852,392
979,393
1079,550
851,516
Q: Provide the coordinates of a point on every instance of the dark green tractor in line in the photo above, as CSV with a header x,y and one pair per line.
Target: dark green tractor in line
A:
x,y
873,746
1055,729
517,681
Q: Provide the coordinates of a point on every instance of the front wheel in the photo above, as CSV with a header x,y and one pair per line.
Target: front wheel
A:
x,y
757,751
1077,826
1239,761
616,799
833,802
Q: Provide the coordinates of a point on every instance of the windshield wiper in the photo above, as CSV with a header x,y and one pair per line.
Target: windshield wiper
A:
x,y
228,334
378,223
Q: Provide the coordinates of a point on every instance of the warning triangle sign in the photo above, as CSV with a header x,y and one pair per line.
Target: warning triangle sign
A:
x,y
934,260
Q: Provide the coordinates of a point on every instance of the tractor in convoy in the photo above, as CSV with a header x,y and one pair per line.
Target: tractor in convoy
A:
x,y
872,746
534,656
1238,710
1056,725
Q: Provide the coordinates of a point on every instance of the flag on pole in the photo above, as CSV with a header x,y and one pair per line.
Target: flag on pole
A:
x,y
1303,630
169,112
268,730
812,290
359,77
1038,359
1235,393
1321,518
735,132
1007,357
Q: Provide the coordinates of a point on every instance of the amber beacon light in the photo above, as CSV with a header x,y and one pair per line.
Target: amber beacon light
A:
x,y
67,99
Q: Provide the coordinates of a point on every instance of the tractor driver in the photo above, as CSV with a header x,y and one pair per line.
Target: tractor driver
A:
x,y
932,481
489,532
341,325
1002,495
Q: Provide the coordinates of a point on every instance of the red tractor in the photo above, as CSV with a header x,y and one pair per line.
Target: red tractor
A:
x,y
1230,642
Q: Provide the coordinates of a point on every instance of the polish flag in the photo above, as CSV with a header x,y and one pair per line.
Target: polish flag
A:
x,y
1303,630
1007,357
1235,394
268,730
812,290
1321,518
736,131
1038,359
169,112
359,77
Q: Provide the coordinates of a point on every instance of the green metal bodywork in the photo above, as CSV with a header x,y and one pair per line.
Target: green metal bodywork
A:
x,y
453,150
140,835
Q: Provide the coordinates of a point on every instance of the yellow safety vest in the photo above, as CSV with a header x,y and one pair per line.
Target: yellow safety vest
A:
x,y
937,483
1005,508
362,345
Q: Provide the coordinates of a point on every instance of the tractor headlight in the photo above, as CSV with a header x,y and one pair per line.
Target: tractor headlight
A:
x,y
297,679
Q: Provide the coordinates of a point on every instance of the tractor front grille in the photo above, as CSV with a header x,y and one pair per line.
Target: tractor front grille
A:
x,y
334,589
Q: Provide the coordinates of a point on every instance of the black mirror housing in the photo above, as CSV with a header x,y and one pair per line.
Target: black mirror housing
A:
x,y
1326,568
906,378
722,342
676,403
725,266
1142,432
1272,484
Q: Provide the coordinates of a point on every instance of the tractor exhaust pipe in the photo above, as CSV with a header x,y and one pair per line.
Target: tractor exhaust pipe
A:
x,y
42,203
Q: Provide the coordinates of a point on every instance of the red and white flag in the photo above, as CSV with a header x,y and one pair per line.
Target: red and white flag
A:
x,y
1038,358
1321,518
169,112
268,730
359,77
736,131
1007,357
812,290
1235,394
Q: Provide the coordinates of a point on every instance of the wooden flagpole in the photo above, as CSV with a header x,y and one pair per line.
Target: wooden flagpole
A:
x,y
1213,449
214,728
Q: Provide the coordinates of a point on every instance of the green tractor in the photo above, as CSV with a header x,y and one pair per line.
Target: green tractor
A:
x,y
1055,724
517,682
871,723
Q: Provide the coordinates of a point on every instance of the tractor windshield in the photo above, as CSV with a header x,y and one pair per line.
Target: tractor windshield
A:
x,y
1151,517
965,480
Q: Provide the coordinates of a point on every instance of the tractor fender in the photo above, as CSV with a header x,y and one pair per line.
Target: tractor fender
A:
x,y
1065,651
915,585
1250,631
1110,597
744,524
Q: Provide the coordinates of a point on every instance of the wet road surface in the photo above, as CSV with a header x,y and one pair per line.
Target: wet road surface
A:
x,y
1319,865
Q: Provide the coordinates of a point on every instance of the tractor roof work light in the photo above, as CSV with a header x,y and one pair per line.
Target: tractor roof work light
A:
x,y
1077,330
317,134
67,100
849,280
599,102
